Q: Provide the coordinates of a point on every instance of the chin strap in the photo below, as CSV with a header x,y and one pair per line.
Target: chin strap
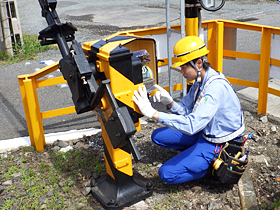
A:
x,y
198,79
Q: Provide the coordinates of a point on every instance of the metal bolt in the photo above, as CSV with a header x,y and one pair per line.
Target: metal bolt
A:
x,y
84,80
149,186
112,201
72,52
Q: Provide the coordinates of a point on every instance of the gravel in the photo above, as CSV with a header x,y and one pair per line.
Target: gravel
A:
x,y
63,179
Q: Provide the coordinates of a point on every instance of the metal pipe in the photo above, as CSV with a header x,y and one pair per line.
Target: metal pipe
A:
x,y
169,51
183,34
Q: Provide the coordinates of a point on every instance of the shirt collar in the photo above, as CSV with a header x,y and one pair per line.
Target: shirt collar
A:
x,y
208,73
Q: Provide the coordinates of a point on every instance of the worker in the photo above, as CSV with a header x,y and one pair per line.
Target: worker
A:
x,y
205,119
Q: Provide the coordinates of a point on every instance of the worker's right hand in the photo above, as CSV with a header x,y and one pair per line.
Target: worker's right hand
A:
x,y
162,96
142,101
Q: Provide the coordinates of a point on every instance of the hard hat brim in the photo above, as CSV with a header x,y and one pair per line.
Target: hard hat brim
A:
x,y
178,64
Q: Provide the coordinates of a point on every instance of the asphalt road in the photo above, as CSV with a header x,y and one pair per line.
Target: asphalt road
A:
x,y
99,19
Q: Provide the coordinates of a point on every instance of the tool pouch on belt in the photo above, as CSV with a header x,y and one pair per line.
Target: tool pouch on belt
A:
x,y
227,168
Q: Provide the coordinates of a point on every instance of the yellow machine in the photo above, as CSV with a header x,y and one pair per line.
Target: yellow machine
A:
x,y
102,76
121,63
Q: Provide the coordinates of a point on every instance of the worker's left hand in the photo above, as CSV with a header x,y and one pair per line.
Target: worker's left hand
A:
x,y
142,101
162,96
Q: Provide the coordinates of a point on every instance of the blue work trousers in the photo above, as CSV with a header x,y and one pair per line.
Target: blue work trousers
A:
x,y
190,164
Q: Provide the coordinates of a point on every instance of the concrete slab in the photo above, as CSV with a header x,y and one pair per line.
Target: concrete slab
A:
x,y
273,102
10,144
247,193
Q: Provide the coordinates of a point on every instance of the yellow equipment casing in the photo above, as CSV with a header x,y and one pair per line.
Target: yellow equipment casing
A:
x,y
114,60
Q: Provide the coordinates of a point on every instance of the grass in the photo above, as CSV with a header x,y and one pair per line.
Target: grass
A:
x,y
276,204
31,46
55,174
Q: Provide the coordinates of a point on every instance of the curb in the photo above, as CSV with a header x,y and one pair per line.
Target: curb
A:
x,y
248,198
11,144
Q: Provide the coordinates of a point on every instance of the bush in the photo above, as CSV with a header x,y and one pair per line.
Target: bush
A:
x,y
31,46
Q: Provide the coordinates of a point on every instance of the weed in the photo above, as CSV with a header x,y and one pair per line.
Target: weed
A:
x,y
10,158
147,169
6,176
276,204
99,167
39,178
167,202
31,173
8,204
10,171
28,149
23,160
12,188
66,189
22,171
4,56
53,179
17,194
84,200
43,167
13,170
31,46
69,182
157,205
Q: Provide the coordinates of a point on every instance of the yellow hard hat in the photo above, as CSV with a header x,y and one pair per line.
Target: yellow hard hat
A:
x,y
187,49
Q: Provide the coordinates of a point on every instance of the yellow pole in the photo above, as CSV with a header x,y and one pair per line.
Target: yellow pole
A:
x,y
21,80
34,112
220,46
264,70
211,44
191,22
191,26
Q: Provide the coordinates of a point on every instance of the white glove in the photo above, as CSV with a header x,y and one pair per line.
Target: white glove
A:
x,y
162,96
142,101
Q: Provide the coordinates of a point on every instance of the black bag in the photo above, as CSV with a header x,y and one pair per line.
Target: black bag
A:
x,y
229,169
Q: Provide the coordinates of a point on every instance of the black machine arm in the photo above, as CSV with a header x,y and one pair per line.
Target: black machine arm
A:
x,y
74,65
53,33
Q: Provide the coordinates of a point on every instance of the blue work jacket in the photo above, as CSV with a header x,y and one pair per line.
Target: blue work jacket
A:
x,y
218,113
